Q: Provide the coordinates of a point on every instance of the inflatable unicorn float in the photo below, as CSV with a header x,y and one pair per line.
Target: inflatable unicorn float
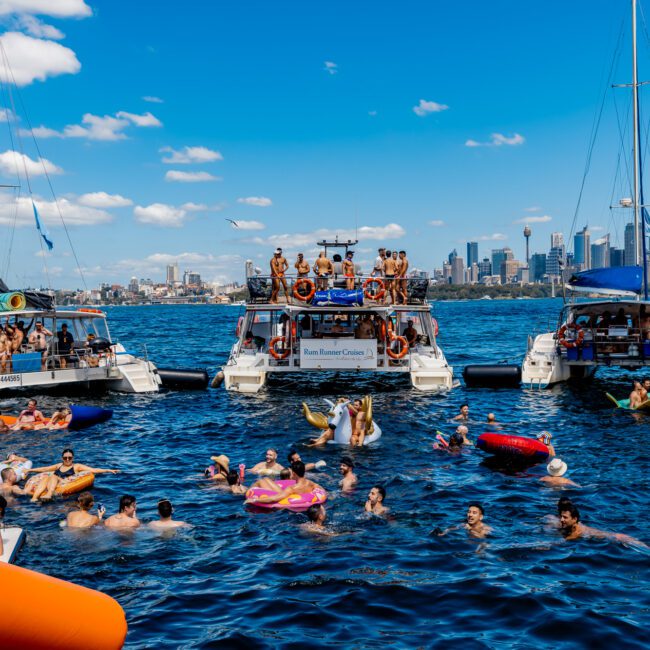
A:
x,y
338,419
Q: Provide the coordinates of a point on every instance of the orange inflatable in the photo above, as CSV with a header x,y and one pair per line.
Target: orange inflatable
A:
x,y
45,613
76,483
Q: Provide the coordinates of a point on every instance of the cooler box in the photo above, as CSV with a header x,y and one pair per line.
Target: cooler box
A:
x,y
27,362
572,354
587,353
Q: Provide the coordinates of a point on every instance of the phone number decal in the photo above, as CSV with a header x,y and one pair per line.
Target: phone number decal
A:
x,y
9,379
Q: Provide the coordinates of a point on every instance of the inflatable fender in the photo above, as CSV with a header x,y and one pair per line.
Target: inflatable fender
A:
x,y
87,416
517,447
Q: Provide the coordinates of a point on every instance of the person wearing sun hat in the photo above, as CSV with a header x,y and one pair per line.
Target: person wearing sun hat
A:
x,y
556,470
221,467
545,438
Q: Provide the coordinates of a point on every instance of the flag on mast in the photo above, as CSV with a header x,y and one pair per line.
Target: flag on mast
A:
x,y
42,229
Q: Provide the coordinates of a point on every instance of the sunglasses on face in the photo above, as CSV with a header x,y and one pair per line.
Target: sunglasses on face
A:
x,y
67,457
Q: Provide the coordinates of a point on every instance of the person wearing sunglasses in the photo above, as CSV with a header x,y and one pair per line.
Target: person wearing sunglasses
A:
x,y
54,474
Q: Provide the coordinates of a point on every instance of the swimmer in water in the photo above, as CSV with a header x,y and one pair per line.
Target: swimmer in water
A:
x,y
301,486
294,456
572,529
492,424
349,480
235,484
317,516
270,466
375,502
82,518
126,517
545,438
221,468
636,396
556,470
463,415
473,523
9,485
462,431
166,510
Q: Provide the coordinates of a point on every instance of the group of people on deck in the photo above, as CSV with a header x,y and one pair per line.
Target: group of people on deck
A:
x,y
390,266
17,338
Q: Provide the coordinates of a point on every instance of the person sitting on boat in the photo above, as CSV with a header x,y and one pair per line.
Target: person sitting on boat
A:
x,y
365,328
636,396
65,343
556,470
60,419
219,472
348,271
39,340
410,334
54,474
605,320
269,466
31,419
323,268
620,318
252,342
302,485
126,517
463,415
279,266
82,518
337,328
545,438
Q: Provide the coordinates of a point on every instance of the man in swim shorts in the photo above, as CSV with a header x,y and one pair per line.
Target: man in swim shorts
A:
x,y
38,338
375,501
348,271
349,479
279,266
358,423
323,268
391,269
402,282
302,266
302,485
126,517
270,466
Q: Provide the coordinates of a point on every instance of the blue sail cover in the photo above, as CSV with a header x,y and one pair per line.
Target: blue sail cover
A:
x,y
342,297
618,280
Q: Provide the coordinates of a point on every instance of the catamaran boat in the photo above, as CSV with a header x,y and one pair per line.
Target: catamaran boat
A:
x,y
325,326
92,360
614,331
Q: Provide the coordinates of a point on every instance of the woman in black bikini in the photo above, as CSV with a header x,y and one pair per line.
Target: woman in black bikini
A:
x,y
65,470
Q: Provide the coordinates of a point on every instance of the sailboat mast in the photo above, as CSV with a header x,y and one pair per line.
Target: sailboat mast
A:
x,y
635,139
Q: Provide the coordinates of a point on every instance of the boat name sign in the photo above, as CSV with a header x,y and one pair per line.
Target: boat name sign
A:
x,y
338,353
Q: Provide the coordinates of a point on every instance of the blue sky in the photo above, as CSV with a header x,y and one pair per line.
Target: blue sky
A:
x,y
301,117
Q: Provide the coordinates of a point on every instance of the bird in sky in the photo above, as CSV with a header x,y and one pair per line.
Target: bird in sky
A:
x,y
234,223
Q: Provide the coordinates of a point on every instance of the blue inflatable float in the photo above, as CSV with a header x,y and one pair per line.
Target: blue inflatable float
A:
x,y
88,416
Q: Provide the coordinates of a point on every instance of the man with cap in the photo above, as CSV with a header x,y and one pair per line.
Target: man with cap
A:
x,y
279,265
545,438
348,271
349,479
556,470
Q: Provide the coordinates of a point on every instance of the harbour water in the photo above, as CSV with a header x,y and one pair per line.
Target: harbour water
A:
x,y
242,579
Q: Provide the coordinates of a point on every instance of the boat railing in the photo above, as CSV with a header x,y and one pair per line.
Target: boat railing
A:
x,y
30,360
260,288
608,344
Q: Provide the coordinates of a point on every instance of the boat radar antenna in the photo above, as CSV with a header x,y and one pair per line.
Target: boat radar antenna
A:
x,y
337,244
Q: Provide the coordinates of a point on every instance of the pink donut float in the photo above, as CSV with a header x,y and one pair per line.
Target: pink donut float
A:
x,y
294,502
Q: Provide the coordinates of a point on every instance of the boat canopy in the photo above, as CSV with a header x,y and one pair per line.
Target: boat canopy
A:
x,y
615,281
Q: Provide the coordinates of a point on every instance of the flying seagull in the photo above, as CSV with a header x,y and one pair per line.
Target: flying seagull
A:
x,y
234,223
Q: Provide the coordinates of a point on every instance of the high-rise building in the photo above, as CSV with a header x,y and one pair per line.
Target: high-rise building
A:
x,y
509,269
630,257
172,274
616,256
133,285
452,255
498,256
446,271
537,267
472,273
557,239
582,250
600,253
458,270
484,268
555,260
472,253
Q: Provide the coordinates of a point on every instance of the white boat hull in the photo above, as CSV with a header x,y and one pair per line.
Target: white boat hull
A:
x,y
13,538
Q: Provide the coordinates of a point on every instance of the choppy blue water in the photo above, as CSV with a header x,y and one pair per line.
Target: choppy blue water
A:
x,y
240,579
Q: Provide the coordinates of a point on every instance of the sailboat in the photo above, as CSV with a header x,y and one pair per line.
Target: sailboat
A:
x,y
613,331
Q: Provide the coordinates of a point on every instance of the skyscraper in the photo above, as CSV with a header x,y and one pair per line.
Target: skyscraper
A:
x,y
172,274
582,250
600,253
616,256
557,239
484,268
499,255
537,267
452,255
458,270
472,253
630,258
555,261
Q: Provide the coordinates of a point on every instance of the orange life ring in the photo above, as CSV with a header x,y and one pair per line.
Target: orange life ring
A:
x,y
239,324
574,343
273,352
382,289
402,352
298,283
90,311
435,327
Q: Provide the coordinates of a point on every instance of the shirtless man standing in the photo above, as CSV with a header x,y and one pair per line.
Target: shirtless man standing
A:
x,y
402,282
349,479
17,336
279,265
391,269
302,266
38,338
126,517
323,268
348,271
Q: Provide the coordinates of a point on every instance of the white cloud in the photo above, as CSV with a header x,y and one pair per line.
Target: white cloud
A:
x,y
6,115
96,127
425,108
12,160
289,240
35,27
596,228
249,225
498,140
189,155
160,214
144,120
190,177
194,207
56,8
331,67
259,201
152,99
73,213
35,59
533,208
103,200
541,219
497,236
437,222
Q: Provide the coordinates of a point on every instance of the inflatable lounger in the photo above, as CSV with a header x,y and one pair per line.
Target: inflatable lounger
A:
x,y
82,417
517,447
625,404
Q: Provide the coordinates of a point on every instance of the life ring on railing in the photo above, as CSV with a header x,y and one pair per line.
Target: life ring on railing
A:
x,y
299,296
402,352
273,352
435,327
574,343
379,294
294,330
90,311
238,328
